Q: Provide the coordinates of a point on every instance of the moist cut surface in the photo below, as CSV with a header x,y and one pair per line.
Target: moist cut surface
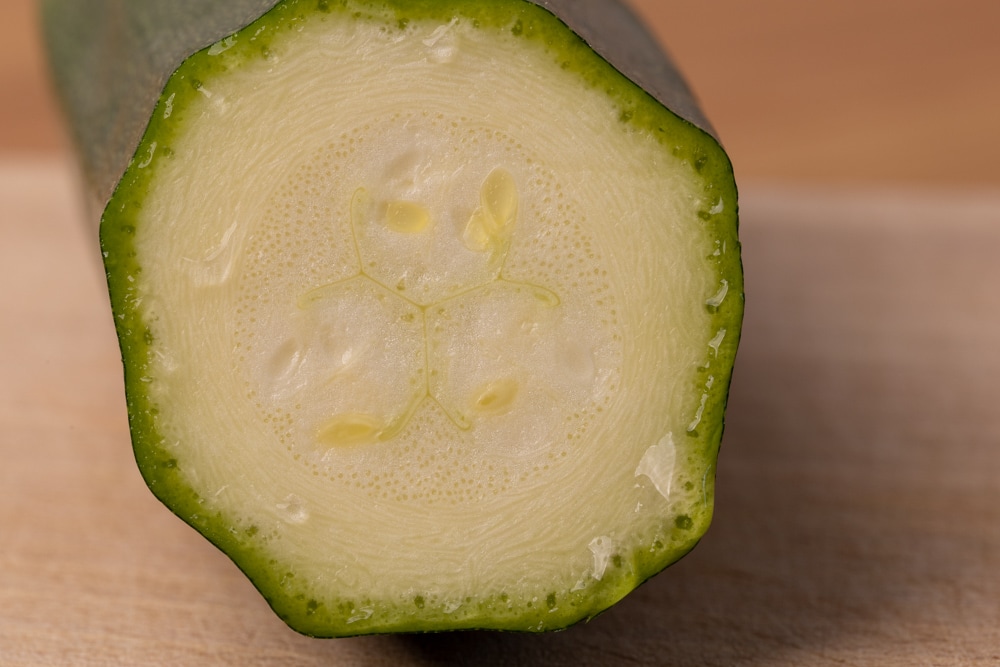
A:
x,y
426,328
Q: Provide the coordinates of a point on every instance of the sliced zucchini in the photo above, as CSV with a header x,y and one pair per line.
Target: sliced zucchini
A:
x,y
428,315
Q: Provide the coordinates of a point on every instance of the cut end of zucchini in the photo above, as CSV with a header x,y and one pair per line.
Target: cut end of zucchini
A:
x,y
428,315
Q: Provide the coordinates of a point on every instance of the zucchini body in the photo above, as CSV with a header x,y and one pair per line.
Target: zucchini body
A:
x,y
498,523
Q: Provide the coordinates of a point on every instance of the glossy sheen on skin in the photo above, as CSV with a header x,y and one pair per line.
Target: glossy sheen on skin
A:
x,y
667,483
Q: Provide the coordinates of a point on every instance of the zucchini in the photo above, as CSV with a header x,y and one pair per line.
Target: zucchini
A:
x,y
428,313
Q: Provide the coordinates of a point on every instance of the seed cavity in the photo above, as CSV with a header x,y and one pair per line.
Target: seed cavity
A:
x,y
402,342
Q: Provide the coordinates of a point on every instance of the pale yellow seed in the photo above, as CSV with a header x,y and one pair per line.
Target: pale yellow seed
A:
x,y
496,213
406,217
499,197
348,429
496,397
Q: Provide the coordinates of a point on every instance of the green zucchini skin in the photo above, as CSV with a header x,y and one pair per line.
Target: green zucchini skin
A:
x,y
111,87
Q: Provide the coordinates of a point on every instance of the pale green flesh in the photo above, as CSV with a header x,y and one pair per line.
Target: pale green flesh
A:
x,y
435,348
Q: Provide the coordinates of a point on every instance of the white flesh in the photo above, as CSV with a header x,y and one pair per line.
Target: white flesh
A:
x,y
429,327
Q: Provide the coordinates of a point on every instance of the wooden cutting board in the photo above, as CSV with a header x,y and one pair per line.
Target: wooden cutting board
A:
x,y
858,516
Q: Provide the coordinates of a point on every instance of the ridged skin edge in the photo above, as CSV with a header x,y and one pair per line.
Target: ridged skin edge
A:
x,y
616,34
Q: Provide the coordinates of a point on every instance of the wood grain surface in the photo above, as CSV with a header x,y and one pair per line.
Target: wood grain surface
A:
x,y
858,516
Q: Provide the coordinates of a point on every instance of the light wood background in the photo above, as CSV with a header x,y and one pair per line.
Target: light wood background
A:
x,y
858,505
